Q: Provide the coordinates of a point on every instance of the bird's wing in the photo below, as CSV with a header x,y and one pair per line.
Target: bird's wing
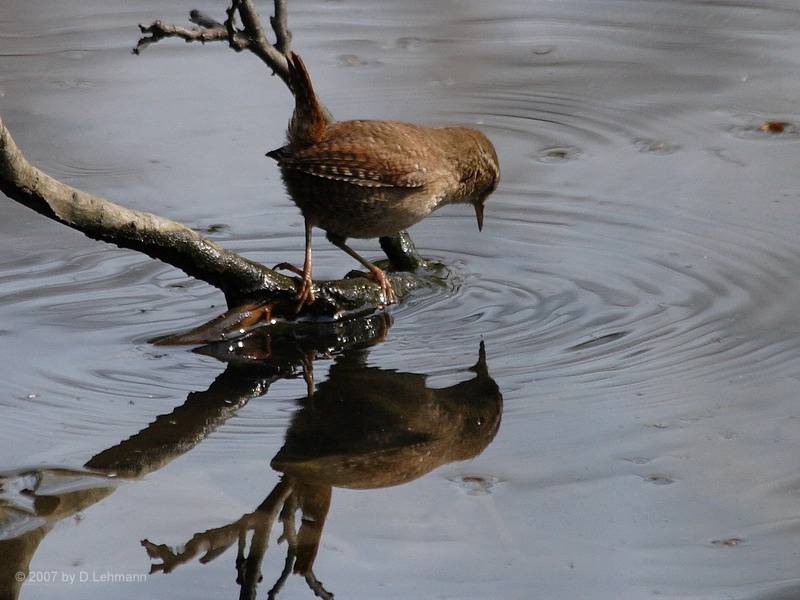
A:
x,y
365,162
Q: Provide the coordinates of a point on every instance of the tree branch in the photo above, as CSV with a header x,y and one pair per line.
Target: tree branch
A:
x,y
158,31
155,236
251,36
240,279
254,292
282,34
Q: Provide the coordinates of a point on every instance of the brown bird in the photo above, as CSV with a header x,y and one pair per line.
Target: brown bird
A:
x,y
367,179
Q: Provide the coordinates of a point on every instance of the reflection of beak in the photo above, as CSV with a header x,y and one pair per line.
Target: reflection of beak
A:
x,y
479,214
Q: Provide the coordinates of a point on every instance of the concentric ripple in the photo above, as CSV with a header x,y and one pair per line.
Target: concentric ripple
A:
x,y
574,294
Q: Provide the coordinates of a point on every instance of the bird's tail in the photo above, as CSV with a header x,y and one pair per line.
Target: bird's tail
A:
x,y
309,120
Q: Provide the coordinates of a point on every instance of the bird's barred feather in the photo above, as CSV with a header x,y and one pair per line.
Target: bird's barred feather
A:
x,y
362,157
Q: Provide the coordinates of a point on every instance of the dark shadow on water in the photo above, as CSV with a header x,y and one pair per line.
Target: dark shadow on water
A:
x,y
363,427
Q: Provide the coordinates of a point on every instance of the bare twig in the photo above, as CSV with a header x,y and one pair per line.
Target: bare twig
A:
x,y
252,35
203,20
157,31
230,23
282,34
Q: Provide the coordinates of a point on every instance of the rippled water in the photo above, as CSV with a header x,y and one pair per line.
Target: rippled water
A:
x,y
634,287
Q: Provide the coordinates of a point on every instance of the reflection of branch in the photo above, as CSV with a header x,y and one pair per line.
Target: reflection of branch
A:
x,y
364,427
172,435
287,496
215,541
46,496
31,503
290,536
316,586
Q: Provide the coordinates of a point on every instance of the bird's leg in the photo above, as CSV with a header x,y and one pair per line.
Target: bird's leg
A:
x,y
287,266
377,274
307,363
306,294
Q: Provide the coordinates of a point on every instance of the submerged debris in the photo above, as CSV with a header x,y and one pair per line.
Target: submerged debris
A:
x,y
558,154
476,485
727,543
659,479
773,126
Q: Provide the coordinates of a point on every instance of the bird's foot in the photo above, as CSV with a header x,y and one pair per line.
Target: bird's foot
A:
x,y
285,266
386,286
379,276
306,293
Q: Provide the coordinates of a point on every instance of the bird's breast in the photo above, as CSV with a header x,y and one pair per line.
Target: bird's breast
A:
x,y
354,211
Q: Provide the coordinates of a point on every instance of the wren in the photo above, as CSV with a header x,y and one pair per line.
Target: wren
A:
x,y
367,179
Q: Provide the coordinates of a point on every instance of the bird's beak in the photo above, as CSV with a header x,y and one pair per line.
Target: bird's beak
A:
x,y
479,214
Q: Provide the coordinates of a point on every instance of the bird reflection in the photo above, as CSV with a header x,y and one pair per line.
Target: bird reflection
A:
x,y
367,427
363,427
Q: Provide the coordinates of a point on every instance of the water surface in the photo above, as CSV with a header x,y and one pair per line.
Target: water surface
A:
x,y
634,288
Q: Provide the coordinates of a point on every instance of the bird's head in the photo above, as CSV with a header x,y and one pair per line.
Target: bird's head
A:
x,y
479,169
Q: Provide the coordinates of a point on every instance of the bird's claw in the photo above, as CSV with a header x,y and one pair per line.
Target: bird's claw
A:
x,y
381,278
305,285
285,266
306,293
386,286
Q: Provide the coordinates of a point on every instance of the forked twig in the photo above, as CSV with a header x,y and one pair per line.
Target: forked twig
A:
x,y
242,29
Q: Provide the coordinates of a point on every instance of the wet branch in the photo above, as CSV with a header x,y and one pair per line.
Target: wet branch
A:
x,y
155,236
252,291
240,279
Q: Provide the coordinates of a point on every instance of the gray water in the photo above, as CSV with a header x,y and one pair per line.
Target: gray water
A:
x,y
635,287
